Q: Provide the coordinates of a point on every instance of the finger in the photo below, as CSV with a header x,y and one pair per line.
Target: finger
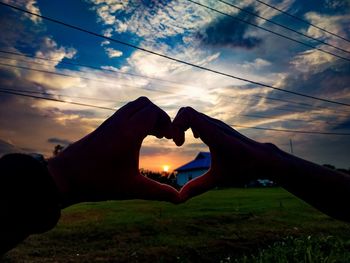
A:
x,y
145,188
151,120
195,133
132,107
125,112
197,186
178,130
204,127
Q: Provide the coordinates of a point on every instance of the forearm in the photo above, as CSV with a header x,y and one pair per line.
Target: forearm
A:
x,y
325,189
28,197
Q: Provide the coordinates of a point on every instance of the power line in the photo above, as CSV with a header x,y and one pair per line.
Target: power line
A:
x,y
302,20
173,59
287,108
112,109
157,90
270,31
90,66
114,101
54,73
57,95
152,89
283,26
56,100
79,77
290,131
277,119
302,105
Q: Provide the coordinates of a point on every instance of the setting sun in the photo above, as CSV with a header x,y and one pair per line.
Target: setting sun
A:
x,y
166,168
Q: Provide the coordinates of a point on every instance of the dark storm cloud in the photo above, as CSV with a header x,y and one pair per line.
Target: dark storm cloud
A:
x,y
225,31
6,148
55,140
153,151
322,83
343,126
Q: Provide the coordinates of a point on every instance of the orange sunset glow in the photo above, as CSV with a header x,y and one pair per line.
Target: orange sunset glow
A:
x,y
166,168
163,163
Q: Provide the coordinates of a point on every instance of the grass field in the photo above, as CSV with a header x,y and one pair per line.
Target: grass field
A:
x,y
229,225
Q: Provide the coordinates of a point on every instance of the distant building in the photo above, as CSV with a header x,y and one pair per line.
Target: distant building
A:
x,y
193,169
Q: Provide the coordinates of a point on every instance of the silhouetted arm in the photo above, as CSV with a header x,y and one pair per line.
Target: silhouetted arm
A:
x,y
101,166
29,199
325,189
236,158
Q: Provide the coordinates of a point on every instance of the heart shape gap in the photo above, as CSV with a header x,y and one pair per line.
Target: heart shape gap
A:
x,y
184,163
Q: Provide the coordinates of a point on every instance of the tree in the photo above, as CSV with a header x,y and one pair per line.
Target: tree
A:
x,y
58,148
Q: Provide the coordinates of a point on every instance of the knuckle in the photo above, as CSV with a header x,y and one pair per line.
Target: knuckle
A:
x,y
143,99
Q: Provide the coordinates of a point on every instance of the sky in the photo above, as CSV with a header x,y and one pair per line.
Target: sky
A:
x,y
110,74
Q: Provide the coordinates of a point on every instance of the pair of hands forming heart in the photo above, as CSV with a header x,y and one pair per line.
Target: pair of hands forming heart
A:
x,y
104,164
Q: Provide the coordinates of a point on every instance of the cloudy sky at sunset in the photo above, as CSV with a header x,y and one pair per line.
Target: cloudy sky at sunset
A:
x,y
115,74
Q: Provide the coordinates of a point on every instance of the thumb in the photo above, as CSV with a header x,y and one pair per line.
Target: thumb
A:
x,y
145,188
197,186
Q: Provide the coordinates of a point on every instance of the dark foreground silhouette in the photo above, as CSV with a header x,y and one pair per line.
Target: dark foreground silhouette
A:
x,y
104,166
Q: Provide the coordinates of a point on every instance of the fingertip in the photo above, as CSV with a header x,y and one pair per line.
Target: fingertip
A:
x,y
197,186
195,133
142,100
148,189
178,136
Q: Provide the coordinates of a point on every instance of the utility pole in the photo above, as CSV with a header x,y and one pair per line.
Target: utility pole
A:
x,y
291,146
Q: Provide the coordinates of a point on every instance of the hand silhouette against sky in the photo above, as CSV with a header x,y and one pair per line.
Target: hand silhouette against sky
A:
x,y
104,165
235,156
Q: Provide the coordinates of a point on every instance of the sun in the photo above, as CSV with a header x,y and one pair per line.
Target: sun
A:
x,y
166,168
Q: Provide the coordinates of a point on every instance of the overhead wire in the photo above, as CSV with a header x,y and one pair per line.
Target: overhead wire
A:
x,y
289,131
286,108
56,100
279,119
304,21
115,100
283,26
57,94
270,31
172,58
79,77
289,108
302,104
112,109
90,66
259,96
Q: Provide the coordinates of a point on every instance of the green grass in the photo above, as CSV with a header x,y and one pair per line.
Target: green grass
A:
x,y
229,225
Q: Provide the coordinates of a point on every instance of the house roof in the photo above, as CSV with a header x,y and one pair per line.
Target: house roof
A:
x,y
202,161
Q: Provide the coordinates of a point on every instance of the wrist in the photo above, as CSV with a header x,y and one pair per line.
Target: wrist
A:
x,y
273,161
29,198
58,170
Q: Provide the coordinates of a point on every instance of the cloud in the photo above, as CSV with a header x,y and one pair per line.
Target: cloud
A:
x,y
268,12
30,5
311,60
343,126
337,24
6,148
227,32
113,53
332,82
258,63
152,19
60,141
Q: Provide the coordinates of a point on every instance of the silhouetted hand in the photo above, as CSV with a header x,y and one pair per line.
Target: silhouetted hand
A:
x,y
234,156
104,164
